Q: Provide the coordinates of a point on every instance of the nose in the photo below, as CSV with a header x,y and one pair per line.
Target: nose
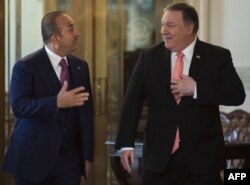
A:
x,y
164,29
76,33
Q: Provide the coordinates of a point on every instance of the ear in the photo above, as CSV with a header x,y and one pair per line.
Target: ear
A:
x,y
190,28
54,42
53,38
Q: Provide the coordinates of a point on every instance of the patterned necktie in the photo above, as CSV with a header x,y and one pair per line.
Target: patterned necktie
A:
x,y
177,72
64,76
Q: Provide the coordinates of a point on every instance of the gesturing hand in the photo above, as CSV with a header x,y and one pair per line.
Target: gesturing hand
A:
x,y
127,158
183,87
72,98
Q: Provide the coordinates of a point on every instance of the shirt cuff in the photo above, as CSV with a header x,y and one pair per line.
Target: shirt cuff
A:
x,y
126,148
195,92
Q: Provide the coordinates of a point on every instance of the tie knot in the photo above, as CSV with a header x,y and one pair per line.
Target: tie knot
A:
x,y
63,63
180,55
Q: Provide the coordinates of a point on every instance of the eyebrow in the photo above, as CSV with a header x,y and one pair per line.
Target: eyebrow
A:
x,y
170,22
71,25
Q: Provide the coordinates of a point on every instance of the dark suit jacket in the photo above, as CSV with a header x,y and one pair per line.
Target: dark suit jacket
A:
x,y
37,135
198,119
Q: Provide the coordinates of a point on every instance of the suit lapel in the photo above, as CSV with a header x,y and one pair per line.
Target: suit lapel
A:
x,y
166,69
76,72
48,76
196,61
167,64
194,70
77,78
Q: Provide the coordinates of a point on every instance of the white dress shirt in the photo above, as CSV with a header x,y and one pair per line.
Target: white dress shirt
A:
x,y
187,58
55,60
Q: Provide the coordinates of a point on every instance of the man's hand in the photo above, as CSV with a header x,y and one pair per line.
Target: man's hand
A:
x,y
72,98
127,158
88,167
183,87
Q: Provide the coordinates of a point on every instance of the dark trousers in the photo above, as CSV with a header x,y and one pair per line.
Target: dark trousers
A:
x,y
177,173
67,171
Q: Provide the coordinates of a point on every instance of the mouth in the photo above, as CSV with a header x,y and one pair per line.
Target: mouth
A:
x,y
166,38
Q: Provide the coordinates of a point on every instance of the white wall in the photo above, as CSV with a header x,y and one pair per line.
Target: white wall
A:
x,y
31,39
229,27
31,15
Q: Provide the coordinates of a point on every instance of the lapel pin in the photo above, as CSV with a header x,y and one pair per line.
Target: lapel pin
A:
x,y
198,56
79,68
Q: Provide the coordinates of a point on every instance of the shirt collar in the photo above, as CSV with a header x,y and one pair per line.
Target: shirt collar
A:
x,y
188,51
54,58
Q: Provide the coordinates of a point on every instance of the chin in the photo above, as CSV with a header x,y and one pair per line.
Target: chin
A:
x,y
73,49
167,45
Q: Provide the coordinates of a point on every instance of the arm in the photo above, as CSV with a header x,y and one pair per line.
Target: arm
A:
x,y
24,102
227,89
88,121
130,115
29,102
132,108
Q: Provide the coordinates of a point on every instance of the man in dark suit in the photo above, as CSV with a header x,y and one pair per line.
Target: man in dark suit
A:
x,y
181,112
52,141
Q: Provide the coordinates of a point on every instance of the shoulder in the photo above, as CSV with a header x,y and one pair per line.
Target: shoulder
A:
x,y
211,48
77,60
34,55
158,50
32,58
77,63
155,48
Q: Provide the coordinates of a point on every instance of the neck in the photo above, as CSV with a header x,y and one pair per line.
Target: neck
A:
x,y
187,43
54,49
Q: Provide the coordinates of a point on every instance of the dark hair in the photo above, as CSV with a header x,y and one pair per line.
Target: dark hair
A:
x,y
189,14
49,26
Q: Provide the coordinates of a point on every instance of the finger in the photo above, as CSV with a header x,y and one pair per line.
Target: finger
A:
x,y
79,100
173,87
125,162
132,158
176,95
84,99
77,90
79,103
83,95
174,92
173,82
184,76
64,87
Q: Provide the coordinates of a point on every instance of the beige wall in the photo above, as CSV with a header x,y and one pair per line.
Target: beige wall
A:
x,y
229,27
225,23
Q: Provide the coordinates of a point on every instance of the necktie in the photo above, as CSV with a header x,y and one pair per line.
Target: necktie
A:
x,y
64,76
178,70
